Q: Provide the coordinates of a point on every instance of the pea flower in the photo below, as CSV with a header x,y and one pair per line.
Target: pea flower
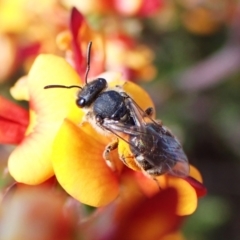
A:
x,y
114,50
59,142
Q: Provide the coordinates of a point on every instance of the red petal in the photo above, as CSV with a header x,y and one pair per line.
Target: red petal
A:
x,y
75,24
12,112
199,187
13,122
29,50
11,133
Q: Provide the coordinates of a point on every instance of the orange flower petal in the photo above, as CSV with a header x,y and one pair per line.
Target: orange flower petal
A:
x,y
187,196
195,174
148,185
80,168
149,219
30,162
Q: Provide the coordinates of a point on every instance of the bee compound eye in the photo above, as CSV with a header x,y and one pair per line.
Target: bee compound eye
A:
x,y
81,102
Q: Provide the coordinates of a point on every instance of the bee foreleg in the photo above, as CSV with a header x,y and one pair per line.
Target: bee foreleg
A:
x,y
107,154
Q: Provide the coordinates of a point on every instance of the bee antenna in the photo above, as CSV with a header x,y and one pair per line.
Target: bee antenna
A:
x,y
86,73
88,61
61,86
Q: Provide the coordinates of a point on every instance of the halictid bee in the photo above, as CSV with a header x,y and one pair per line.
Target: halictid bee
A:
x,y
154,149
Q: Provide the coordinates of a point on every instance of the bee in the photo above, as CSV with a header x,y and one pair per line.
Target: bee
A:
x,y
152,146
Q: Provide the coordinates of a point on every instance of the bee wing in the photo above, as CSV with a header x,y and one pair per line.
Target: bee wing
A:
x,y
120,129
168,154
176,160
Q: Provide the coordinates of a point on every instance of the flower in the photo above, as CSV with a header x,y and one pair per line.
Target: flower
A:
x,y
74,40
60,142
136,216
115,51
131,216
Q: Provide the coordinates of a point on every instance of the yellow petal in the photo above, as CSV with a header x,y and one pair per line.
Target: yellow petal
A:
x,y
13,15
80,169
187,197
20,89
30,162
195,174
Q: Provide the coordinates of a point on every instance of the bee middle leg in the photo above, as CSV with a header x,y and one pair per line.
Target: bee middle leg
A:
x,y
157,182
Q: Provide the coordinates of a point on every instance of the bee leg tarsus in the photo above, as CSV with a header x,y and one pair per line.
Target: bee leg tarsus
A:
x,y
111,146
157,182
149,111
107,154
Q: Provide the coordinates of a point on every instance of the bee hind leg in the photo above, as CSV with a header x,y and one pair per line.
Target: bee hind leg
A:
x,y
154,173
157,182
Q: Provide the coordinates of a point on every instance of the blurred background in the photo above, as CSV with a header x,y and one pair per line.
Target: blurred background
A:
x,y
191,69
